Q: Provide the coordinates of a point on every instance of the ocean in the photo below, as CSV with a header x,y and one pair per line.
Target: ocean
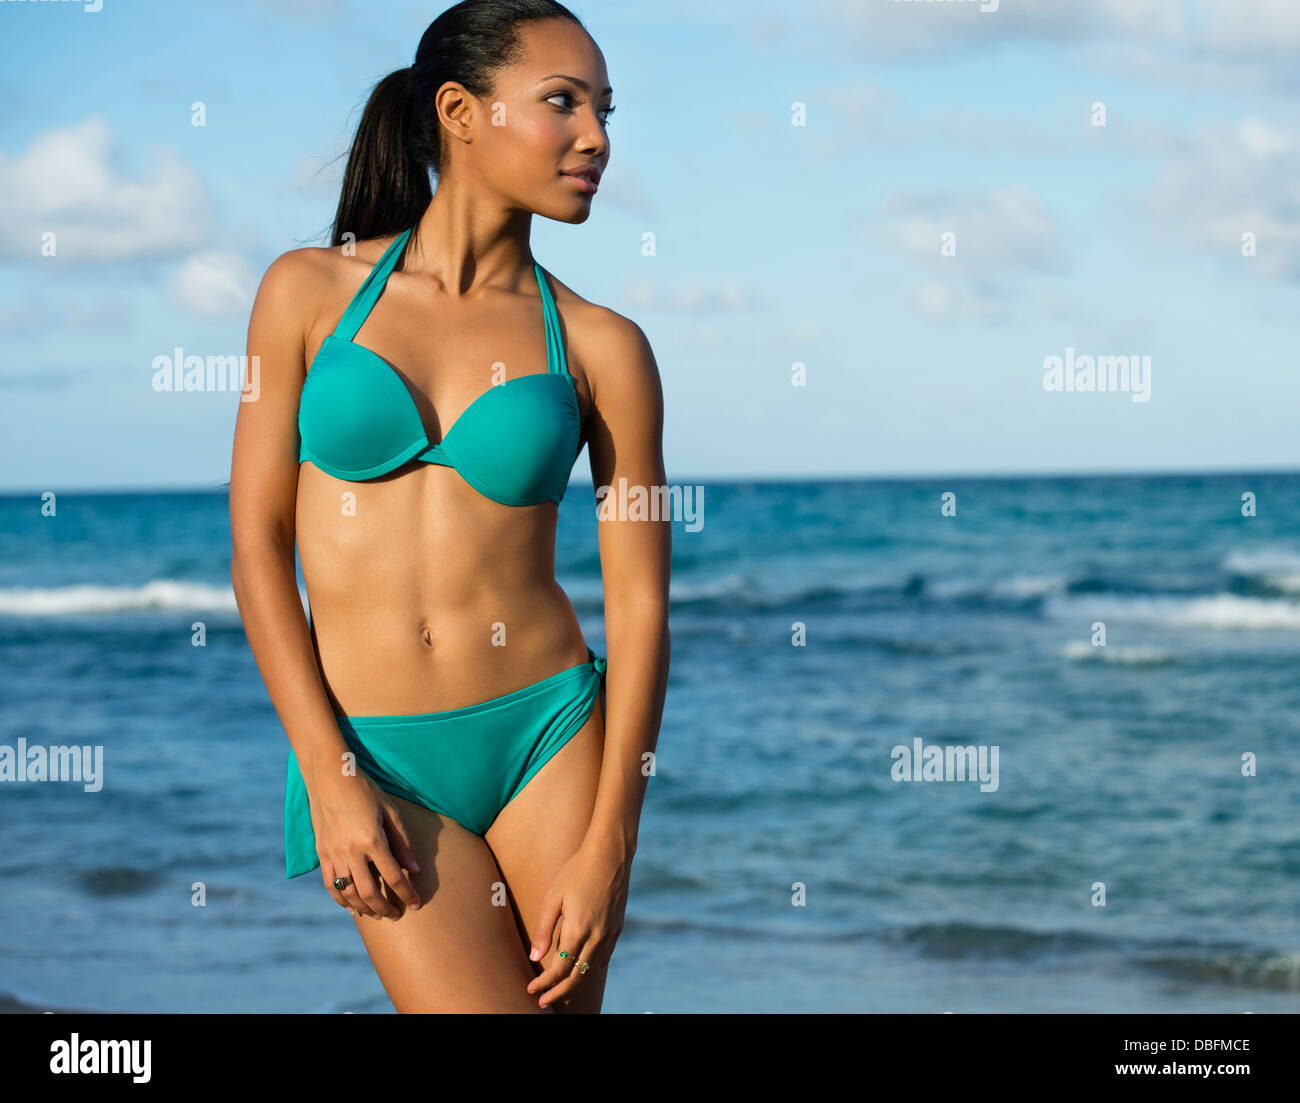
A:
x,y
1133,843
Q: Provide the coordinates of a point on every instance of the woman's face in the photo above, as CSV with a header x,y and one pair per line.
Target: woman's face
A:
x,y
545,120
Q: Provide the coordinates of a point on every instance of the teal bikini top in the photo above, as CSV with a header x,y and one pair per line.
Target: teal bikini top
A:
x,y
516,443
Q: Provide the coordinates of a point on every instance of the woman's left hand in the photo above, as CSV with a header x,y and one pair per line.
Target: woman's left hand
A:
x,y
583,910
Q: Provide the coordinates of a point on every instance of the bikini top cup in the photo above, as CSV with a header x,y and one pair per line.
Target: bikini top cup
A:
x,y
516,443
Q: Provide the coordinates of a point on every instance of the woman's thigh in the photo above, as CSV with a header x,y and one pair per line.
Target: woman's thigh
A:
x,y
540,830
459,951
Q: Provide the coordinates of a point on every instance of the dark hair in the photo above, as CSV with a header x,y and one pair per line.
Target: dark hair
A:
x,y
399,140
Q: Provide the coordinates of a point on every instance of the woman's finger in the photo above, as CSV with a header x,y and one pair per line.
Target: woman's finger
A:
x,y
569,935
329,871
394,877
590,948
399,839
351,894
327,876
368,889
543,935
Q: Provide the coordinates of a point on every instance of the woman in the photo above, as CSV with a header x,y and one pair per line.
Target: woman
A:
x,y
452,773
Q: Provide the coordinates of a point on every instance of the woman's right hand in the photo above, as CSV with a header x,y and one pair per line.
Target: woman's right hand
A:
x,y
356,826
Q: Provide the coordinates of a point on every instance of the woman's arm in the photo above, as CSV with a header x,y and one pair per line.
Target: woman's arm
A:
x,y
263,494
625,443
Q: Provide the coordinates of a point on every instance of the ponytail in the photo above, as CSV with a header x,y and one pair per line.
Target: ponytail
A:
x,y
386,184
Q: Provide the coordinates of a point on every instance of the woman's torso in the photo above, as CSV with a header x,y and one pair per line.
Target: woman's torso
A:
x,y
426,595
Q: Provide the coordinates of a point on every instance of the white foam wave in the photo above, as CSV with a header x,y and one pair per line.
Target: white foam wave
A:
x,y
159,594
1023,586
1082,651
954,589
731,585
1275,567
1216,611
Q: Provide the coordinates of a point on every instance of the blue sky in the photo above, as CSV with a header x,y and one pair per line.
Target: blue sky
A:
x,y
776,244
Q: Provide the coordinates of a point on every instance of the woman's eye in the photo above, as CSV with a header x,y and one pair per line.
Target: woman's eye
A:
x,y
604,112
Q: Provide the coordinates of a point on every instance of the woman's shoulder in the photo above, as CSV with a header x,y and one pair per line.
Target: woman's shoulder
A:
x,y
324,268
601,331
607,347
303,283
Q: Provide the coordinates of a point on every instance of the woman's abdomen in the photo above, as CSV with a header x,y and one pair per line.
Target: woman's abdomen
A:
x,y
423,599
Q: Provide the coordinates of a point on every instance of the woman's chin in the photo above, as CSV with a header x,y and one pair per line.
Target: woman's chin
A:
x,y
573,213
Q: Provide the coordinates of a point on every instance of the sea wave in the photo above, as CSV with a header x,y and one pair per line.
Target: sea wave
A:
x,y
1082,651
1279,972
160,593
1214,611
1235,965
1274,568
1057,597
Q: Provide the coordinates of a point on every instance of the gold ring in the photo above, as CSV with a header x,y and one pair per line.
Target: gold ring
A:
x,y
583,966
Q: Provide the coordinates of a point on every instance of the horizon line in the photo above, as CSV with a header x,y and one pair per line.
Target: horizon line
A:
x,y
750,480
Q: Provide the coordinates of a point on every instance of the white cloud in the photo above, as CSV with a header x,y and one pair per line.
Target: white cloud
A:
x,y
953,301
691,297
1264,141
1249,26
999,232
66,183
1225,29
1241,178
996,231
886,28
215,285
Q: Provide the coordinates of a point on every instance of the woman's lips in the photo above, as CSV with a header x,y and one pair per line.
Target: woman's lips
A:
x,y
586,186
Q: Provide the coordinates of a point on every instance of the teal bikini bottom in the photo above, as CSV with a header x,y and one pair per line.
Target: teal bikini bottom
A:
x,y
465,763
